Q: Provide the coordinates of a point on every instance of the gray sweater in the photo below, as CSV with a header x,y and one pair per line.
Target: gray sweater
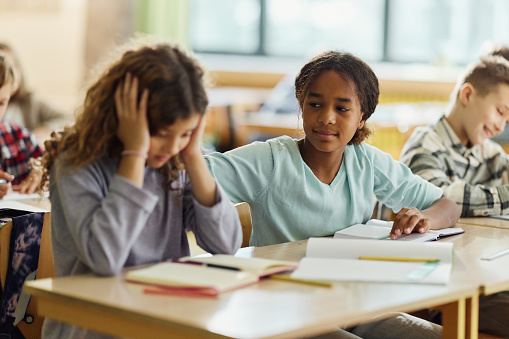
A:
x,y
102,223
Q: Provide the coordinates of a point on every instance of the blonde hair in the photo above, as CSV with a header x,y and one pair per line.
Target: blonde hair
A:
x,y
176,84
484,74
6,71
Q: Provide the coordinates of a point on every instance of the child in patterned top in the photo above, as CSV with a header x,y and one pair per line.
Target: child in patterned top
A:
x,y
18,147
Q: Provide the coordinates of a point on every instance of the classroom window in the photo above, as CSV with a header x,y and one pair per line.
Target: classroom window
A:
x,y
429,31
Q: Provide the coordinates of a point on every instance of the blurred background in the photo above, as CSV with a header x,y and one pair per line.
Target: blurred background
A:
x,y
253,48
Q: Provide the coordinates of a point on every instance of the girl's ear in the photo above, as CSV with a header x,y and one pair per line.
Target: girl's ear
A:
x,y
465,93
361,123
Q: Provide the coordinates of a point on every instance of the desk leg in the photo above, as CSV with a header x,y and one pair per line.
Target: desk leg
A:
x,y
453,319
472,317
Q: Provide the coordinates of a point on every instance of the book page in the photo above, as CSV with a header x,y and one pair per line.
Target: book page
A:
x,y
388,261
371,271
361,231
258,266
379,229
181,275
16,205
12,195
353,249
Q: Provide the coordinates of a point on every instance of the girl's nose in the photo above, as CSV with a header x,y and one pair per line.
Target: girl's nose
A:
x,y
328,116
172,148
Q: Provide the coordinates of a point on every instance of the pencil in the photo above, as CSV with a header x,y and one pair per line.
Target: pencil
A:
x,y
302,281
399,259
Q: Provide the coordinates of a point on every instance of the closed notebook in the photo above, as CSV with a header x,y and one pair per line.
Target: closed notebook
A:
x,y
376,261
206,276
380,229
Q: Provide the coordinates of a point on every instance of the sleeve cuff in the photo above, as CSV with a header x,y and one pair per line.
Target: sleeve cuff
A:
x,y
215,210
139,197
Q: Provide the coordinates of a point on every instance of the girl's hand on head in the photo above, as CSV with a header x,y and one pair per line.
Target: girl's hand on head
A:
x,y
133,129
193,148
409,220
30,184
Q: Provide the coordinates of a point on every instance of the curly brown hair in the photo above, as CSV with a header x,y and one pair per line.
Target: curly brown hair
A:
x,y
345,64
175,81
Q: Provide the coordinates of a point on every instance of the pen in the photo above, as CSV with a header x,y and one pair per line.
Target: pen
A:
x,y
4,181
302,281
399,259
190,262
496,255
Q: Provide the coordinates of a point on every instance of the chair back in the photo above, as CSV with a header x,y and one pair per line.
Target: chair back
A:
x,y
245,221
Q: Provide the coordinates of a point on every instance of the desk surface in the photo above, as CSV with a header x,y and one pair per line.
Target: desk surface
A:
x,y
271,308
479,241
485,221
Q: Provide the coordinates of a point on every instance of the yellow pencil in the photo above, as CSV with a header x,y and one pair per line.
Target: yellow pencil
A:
x,y
302,281
399,259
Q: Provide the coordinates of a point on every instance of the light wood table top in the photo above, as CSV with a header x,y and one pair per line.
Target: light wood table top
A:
x,y
478,242
485,221
270,309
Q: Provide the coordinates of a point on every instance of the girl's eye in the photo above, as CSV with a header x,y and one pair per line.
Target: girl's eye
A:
x,y
342,109
314,104
161,135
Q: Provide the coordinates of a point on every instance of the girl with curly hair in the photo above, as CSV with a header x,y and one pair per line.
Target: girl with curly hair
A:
x,y
128,179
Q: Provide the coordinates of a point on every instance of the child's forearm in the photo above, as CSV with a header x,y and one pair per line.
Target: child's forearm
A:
x,y
203,185
132,168
443,213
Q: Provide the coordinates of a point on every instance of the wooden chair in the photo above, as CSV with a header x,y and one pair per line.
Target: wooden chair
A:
x,y
245,221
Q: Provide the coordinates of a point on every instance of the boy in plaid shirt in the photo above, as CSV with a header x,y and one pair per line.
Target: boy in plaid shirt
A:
x,y
457,155
18,147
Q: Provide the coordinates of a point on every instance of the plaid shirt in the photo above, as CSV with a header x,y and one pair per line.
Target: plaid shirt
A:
x,y
17,146
475,178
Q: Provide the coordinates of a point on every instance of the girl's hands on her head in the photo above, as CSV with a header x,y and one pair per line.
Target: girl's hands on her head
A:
x,y
5,186
194,147
30,184
133,129
409,220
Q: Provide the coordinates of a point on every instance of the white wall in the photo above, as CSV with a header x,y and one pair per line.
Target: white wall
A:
x,y
50,44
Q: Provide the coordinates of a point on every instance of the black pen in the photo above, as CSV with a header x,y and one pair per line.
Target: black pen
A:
x,y
190,262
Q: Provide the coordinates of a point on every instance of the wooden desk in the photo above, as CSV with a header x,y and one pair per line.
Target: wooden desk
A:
x,y
477,242
485,221
270,309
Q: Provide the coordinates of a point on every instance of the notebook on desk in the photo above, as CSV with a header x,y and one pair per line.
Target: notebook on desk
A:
x,y
376,261
379,229
206,276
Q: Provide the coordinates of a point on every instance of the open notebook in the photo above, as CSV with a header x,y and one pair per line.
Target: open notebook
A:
x,y
206,276
379,229
376,261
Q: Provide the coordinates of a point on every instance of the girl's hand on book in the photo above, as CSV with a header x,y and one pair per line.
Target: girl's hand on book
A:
x,y
133,129
409,220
